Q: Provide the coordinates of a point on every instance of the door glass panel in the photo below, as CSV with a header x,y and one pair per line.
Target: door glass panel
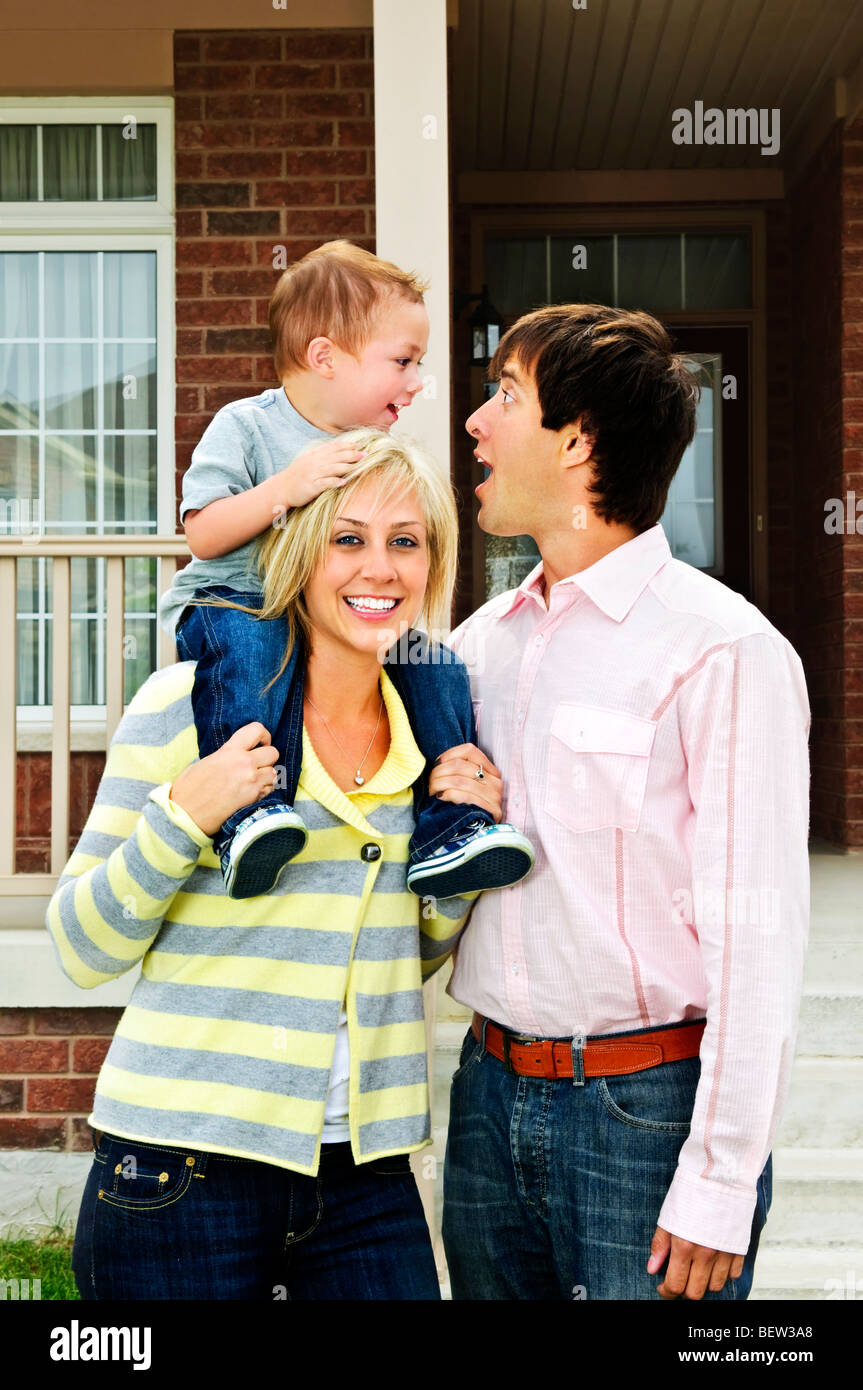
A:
x,y
649,273
717,272
582,270
515,272
692,516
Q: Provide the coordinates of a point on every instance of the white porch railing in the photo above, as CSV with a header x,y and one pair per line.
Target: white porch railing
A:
x,y
62,549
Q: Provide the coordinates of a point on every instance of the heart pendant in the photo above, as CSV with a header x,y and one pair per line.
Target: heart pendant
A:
x,y
359,780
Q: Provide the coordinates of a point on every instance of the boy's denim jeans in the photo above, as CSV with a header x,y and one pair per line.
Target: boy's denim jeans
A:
x,y
552,1191
237,654
161,1222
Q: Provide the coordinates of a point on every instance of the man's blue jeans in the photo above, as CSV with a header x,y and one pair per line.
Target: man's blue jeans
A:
x,y
161,1222
237,654
553,1190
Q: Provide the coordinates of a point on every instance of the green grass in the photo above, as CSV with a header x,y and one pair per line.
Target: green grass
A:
x,y
48,1258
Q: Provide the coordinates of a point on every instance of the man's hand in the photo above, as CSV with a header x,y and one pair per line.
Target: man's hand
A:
x,y
326,465
453,778
692,1269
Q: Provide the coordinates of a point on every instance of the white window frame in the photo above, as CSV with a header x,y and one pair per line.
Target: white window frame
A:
x,y
146,225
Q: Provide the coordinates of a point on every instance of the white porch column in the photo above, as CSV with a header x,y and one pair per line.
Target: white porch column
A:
x,y
412,185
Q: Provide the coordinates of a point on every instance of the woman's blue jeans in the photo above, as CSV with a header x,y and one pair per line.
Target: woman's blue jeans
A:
x,y
238,654
161,1222
552,1190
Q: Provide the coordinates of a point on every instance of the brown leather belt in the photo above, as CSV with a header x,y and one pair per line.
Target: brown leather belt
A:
x,y
552,1057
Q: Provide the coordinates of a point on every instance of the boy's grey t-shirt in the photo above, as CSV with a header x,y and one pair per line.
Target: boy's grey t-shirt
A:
x,y
246,442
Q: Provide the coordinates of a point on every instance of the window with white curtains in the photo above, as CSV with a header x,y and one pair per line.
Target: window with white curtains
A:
x,y
85,374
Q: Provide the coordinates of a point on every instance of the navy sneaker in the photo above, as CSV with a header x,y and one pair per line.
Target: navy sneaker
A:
x,y
481,857
260,848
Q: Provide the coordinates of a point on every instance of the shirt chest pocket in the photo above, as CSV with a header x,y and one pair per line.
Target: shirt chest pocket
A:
x,y
598,761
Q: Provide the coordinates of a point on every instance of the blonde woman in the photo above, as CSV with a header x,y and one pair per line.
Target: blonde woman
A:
x,y
267,1081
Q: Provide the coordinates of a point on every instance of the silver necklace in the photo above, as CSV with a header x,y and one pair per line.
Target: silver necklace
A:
x,y
358,775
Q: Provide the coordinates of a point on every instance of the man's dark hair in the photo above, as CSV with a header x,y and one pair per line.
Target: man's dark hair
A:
x,y
615,369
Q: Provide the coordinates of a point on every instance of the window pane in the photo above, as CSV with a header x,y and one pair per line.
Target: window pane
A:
x,y
18,164
69,162
129,161
130,482
71,294
19,386
140,653
70,397
649,272
717,272
141,592
19,294
515,272
130,294
19,485
28,661
582,270
693,506
70,482
28,586
130,386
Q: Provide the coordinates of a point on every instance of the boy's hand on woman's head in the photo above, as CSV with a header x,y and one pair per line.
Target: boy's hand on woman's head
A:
x,y
238,774
326,465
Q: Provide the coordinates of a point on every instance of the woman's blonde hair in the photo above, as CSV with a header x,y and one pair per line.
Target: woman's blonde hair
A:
x,y
298,541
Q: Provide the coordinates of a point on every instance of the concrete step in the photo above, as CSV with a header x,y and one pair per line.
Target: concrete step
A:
x,y
817,1197
831,1022
805,1273
833,964
825,1104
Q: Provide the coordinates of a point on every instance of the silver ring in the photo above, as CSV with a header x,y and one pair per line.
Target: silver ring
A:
x,y
479,775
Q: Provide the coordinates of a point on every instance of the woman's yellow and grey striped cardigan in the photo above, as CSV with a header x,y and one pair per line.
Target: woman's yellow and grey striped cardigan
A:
x,y
227,1041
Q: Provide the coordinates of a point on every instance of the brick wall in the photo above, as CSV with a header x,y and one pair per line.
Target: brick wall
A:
x,y
49,1061
827,238
275,147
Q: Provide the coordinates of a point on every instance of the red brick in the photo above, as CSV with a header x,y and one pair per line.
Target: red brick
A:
x,y
213,195
33,857
325,104
39,790
328,223
204,311
190,426
189,285
236,48
251,106
254,166
88,1054
296,193
319,162
325,45
205,252
188,108
34,1055
32,1134
76,1021
14,1021
212,77
281,133
187,48
217,396
296,75
354,191
246,282
187,399
11,1095
71,1093
190,223
265,373
214,135
189,164
80,1135
356,75
214,369
262,311
189,341
357,133
292,249
218,340
246,223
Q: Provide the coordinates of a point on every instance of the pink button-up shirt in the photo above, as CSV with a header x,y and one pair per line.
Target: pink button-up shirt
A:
x,y
651,728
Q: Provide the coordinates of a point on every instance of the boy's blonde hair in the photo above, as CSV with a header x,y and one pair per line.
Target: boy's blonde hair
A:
x,y
298,543
336,291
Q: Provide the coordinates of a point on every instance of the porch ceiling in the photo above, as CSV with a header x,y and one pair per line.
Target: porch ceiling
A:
x,y
538,85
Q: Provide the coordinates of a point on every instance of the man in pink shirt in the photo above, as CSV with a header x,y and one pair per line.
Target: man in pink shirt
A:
x,y
635,997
